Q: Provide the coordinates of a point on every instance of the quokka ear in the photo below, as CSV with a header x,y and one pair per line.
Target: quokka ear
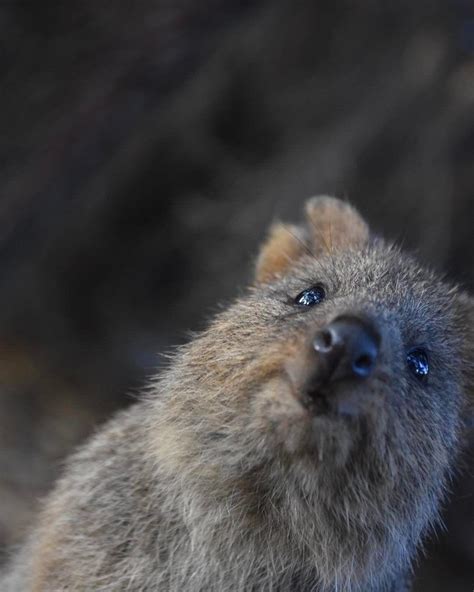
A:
x,y
331,225
335,225
285,244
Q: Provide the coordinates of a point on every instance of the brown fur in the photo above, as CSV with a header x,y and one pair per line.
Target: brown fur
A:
x,y
282,248
221,479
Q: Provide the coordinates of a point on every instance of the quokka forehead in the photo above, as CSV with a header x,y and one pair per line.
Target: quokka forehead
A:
x,y
382,280
380,271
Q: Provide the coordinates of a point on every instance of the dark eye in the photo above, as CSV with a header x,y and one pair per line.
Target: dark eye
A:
x,y
418,363
311,296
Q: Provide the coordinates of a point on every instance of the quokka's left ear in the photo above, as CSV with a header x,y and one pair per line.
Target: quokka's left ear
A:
x,y
331,225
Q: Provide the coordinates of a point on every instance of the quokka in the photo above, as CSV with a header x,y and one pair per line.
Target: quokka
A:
x,y
303,442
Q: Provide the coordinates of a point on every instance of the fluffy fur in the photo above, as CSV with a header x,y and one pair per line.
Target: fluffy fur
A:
x,y
219,479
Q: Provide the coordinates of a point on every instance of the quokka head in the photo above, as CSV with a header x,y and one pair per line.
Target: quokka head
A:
x,y
341,379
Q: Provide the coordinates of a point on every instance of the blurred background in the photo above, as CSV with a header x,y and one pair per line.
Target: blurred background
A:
x,y
145,147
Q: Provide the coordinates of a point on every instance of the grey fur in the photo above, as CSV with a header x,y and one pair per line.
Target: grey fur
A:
x,y
215,481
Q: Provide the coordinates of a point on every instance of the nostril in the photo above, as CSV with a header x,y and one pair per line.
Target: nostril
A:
x,y
347,348
363,365
324,341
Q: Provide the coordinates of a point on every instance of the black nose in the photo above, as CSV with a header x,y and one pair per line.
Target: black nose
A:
x,y
347,348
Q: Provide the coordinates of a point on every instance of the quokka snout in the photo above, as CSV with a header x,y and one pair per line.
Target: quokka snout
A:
x,y
304,441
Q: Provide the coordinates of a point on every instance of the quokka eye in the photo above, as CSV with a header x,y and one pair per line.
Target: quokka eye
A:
x,y
311,296
418,363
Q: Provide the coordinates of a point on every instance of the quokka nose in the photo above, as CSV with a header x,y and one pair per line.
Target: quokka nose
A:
x,y
348,348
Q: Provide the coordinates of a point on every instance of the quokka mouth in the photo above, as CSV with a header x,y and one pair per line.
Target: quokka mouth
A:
x,y
316,402
321,403
342,401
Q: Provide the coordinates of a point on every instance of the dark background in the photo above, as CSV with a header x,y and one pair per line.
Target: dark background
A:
x,y
146,145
